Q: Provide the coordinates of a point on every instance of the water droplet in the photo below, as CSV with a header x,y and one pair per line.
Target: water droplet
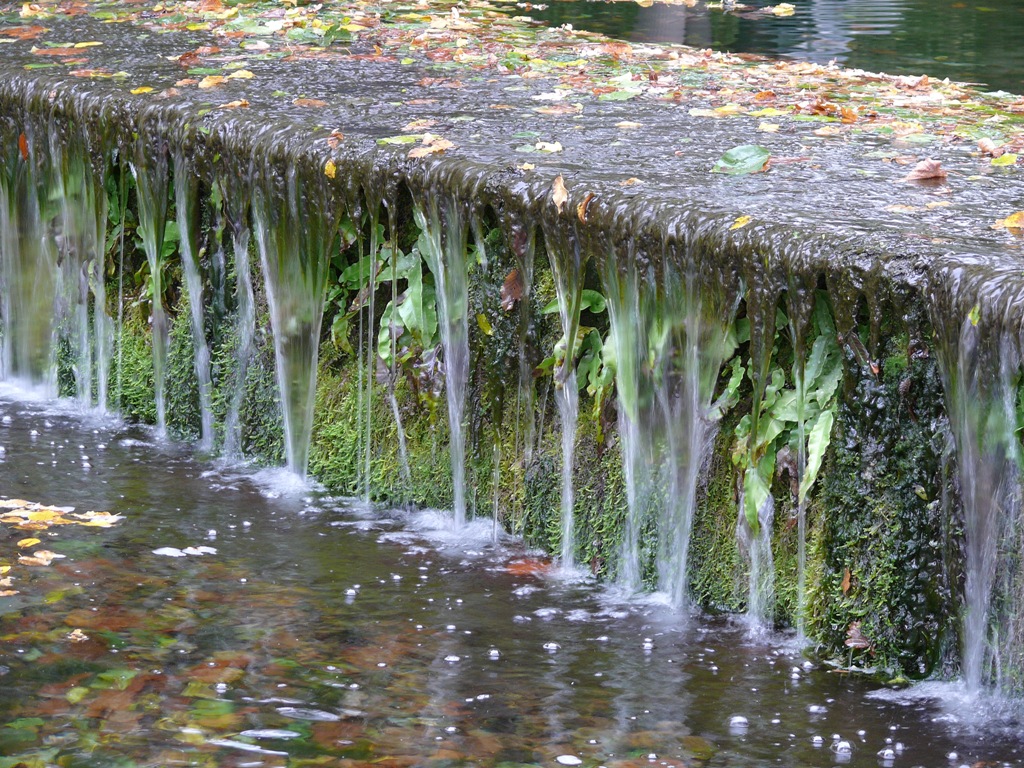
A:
x,y
552,646
952,757
817,741
494,653
843,748
568,760
738,721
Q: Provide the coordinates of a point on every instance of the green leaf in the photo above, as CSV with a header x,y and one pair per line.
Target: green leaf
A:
x,y
409,138
755,495
817,443
618,96
1004,160
975,314
741,160
593,301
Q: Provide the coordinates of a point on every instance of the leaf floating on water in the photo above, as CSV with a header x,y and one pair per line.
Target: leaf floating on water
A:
x,y
927,170
237,104
212,81
25,543
548,146
431,145
141,89
41,557
77,636
989,147
742,160
782,9
1005,160
559,194
1014,222
741,222
409,138
241,74
310,103
975,314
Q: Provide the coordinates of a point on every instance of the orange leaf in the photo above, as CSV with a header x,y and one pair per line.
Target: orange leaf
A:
x,y
309,103
581,209
23,146
511,290
846,581
926,170
559,194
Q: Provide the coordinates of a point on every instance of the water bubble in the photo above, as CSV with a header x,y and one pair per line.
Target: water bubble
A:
x,y
817,709
842,747
952,757
450,627
552,647
738,721
452,658
898,746
817,741
494,653
887,754
568,760
648,644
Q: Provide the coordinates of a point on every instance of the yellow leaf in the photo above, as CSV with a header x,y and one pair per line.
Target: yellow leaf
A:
x,y
769,127
87,45
526,167
559,194
782,9
141,89
485,324
40,557
330,169
28,543
240,74
4,569
431,145
1013,221
741,222
548,146
212,80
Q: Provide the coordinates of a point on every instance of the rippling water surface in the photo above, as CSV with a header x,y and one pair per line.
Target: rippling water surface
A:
x,y
980,42
313,631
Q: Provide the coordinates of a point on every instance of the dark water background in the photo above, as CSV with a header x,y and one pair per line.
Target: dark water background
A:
x,y
981,42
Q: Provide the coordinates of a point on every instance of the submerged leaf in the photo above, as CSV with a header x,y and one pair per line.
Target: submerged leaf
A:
x,y
744,159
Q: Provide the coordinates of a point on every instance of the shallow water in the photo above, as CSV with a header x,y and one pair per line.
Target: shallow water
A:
x,y
972,42
323,632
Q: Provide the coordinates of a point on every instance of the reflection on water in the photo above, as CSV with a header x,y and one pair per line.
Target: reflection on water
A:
x,y
967,41
301,630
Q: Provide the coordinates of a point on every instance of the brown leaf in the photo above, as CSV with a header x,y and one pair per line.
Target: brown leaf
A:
x,y
235,104
855,638
846,581
23,146
511,290
927,170
559,194
431,145
990,148
24,33
581,209
309,103
211,81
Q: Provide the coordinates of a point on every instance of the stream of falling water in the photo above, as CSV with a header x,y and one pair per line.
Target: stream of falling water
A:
x,y
442,219
150,168
186,200
245,324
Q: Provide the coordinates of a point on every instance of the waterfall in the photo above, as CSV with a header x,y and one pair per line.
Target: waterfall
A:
x,y
152,187
668,337
568,261
186,198
980,362
28,252
245,326
442,220
295,229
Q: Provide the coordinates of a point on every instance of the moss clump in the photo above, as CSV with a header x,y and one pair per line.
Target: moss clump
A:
x,y
878,535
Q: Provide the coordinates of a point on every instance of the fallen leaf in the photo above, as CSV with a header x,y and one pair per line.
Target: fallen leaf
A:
x,y
628,125
236,104
511,290
989,147
1015,221
741,222
140,89
526,167
742,160
211,81
28,543
828,130
417,126
559,194
431,145
241,74
335,139
926,170
330,169
548,146
23,146
782,9
846,581
581,209
484,324
309,103
632,181
24,33
8,593
1005,160
77,636
769,127
40,557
